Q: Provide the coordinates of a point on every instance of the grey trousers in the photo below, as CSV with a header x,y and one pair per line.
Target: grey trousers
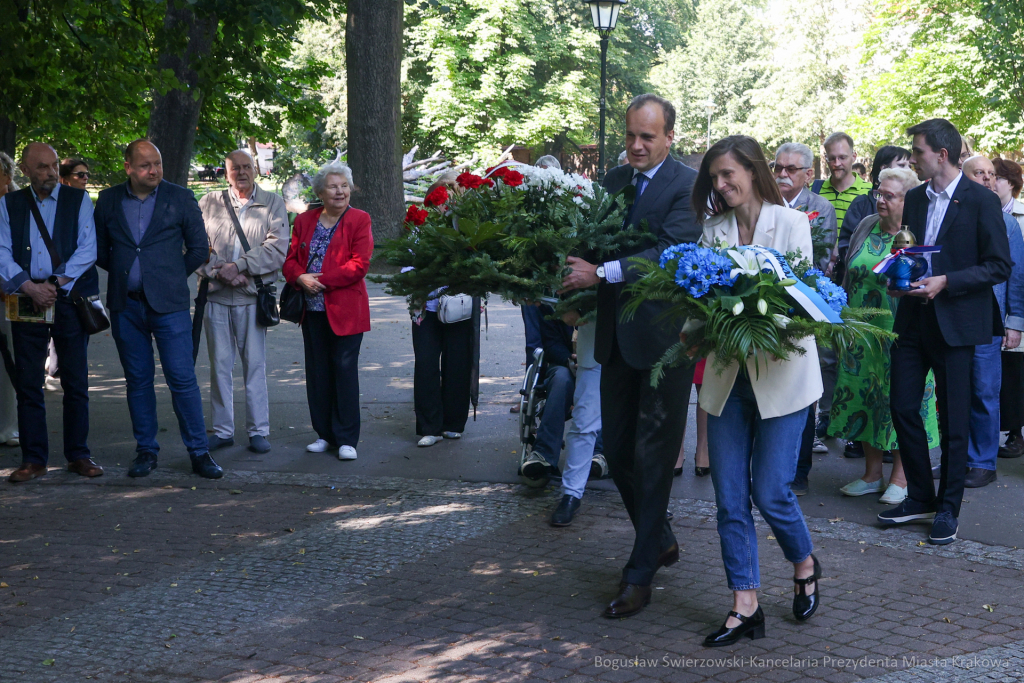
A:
x,y
232,331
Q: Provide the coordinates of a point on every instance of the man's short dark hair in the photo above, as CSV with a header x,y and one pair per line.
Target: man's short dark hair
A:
x,y
668,110
940,134
129,151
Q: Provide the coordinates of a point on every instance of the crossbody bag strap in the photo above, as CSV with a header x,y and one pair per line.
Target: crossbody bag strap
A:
x,y
238,231
55,259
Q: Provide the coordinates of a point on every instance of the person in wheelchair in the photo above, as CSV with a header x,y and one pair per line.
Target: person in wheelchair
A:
x,y
565,396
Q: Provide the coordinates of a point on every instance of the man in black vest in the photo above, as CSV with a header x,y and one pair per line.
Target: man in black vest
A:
x,y
643,427
940,321
51,268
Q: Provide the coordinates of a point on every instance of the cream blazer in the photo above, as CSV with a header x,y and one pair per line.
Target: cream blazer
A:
x,y
780,387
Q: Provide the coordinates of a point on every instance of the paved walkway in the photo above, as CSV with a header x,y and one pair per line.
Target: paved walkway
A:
x,y
288,577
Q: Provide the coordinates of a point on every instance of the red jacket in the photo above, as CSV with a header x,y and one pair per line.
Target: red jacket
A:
x,y
344,268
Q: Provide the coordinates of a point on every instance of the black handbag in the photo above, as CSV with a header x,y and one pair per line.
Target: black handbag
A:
x,y
91,314
293,304
267,314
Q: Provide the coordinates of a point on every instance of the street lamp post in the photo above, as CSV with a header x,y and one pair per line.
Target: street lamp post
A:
x,y
710,108
605,14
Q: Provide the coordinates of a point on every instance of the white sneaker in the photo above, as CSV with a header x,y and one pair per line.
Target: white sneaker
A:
x,y
819,446
318,446
346,453
427,441
894,495
15,440
52,383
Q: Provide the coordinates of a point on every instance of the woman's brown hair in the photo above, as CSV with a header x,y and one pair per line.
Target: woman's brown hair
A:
x,y
1010,170
706,200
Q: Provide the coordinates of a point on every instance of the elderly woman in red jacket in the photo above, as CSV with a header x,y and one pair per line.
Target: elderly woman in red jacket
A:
x,y
328,259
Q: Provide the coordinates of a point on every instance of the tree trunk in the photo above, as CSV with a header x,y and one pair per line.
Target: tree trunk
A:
x,y
175,114
7,131
373,48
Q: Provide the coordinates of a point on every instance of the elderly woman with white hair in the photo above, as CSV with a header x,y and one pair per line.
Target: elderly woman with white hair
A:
x,y
860,405
328,260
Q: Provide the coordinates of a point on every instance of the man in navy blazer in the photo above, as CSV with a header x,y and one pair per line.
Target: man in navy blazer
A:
x,y
950,311
150,237
643,427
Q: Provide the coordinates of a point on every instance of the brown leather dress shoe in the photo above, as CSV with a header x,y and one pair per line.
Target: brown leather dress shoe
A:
x,y
85,467
27,472
669,557
630,600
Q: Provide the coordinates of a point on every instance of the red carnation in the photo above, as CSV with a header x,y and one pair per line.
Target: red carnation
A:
x,y
470,181
415,215
437,197
812,215
513,179
499,172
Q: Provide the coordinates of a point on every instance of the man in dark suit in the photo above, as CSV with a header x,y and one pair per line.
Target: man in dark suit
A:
x,y
643,426
150,237
51,268
939,322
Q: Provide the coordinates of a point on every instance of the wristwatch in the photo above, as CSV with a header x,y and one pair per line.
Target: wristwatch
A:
x,y
600,271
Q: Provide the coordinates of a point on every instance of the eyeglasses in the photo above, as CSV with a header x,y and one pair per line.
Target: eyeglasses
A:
x,y
889,196
81,175
791,170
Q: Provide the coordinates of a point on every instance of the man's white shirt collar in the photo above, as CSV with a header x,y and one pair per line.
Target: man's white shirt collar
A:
x,y
649,173
950,189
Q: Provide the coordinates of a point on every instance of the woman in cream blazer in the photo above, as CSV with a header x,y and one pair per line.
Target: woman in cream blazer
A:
x,y
756,418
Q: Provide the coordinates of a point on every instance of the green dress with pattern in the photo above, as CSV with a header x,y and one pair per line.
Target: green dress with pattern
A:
x,y
860,405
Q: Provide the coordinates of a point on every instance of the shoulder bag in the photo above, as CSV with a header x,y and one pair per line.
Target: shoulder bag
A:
x,y
267,314
455,308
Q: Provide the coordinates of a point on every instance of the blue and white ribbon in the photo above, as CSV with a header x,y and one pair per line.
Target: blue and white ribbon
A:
x,y
808,299
883,265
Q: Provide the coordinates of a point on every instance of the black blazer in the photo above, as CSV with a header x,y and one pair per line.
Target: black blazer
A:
x,y
175,244
975,257
665,204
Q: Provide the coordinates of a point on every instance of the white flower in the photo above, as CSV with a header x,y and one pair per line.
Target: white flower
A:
x,y
781,320
762,306
738,308
746,262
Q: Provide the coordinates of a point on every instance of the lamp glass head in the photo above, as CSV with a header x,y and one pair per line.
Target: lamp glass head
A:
x,y
605,13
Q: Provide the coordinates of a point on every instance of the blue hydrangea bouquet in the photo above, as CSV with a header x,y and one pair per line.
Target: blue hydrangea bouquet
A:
x,y
742,302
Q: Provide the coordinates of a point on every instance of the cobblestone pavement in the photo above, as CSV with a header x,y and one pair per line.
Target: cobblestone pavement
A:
x,y
291,577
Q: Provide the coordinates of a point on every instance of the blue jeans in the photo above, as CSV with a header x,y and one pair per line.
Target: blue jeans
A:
x,y
584,437
134,330
559,386
755,458
986,381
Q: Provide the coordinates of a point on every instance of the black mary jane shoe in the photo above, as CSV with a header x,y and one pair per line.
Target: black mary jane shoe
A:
x,y
804,605
752,627
701,471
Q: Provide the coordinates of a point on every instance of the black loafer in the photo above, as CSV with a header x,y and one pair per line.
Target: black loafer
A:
x,y
567,507
701,471
978,477
1013,448
144,463
853,449
804,605
205,467
630,600
669,556
752,627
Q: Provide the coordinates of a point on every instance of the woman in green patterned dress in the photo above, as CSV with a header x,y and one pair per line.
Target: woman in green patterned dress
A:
x,y
860,405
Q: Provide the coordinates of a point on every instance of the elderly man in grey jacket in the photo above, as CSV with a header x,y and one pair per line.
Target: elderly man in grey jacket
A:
x,y
230,323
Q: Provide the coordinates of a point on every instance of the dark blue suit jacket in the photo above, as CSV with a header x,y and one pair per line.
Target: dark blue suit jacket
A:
x,y
665,205
175,244
975,257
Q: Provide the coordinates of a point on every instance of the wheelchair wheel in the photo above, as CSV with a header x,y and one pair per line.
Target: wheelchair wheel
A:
x,y
530,403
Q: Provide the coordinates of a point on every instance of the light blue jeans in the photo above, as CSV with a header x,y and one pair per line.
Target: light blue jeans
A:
x,y
986,380
584,430
753,458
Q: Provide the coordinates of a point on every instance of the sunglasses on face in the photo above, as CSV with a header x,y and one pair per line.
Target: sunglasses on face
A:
x,y
81,175
791,170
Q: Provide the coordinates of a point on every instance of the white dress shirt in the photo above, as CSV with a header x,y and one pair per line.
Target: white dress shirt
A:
x,y
613,269
938,203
